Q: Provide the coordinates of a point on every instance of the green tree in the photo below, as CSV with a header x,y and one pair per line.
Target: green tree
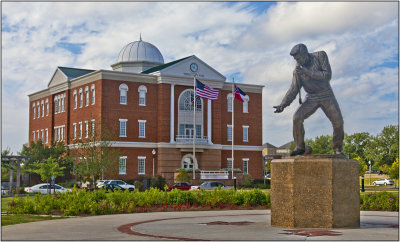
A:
x,y
361,166
48,169
182,176
321,145
355,145
394,171
94,156
384,148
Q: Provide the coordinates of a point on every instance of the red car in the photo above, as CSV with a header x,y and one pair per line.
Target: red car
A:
x,y
181,186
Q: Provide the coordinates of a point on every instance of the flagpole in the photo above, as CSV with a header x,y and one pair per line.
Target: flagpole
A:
x,y
194,126
233,110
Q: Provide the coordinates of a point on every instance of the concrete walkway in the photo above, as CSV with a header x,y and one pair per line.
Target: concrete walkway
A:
x,y
200,225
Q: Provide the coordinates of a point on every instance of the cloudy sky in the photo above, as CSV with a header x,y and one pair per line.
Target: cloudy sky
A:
x,y
250,41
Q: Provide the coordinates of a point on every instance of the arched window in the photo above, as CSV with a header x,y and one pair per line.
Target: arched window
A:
x,y
56,104
246,104
38,111
123,93
47,107
42,108
186,101
187,161
87,96
93,94
75,100
229,97
142,95
34,113
80,98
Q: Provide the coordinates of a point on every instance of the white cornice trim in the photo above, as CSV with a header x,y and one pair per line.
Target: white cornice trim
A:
x,y
245,87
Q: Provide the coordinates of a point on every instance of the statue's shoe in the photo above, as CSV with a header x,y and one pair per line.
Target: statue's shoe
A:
x,y
297,152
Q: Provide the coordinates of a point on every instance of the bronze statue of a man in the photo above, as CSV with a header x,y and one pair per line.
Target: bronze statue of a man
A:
x,y
313,73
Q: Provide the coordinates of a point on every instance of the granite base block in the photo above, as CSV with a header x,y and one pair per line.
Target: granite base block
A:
x,y
315,191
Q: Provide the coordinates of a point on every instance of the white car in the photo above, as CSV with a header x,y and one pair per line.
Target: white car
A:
x,y
383,181
43,188
119,183
210,185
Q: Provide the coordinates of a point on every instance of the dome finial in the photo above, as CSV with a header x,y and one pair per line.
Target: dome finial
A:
x,y
140,36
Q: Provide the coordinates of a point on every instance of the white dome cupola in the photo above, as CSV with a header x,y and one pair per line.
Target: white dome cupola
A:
x,y
137,57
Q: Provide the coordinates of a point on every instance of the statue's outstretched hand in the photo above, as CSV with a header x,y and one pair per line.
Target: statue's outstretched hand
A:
x,y
279,109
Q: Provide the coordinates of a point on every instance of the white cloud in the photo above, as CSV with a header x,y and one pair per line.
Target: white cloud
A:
x,y
232,38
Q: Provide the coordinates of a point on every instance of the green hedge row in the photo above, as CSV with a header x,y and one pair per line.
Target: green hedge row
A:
x,y
80,202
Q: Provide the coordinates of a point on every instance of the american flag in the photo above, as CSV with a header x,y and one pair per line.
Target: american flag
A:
x,y
205,91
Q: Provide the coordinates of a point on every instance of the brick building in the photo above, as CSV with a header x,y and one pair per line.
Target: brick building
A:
x,y
148,105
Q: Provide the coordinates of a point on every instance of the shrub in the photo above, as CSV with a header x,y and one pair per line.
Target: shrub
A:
x,y
138,185
158,182
385,201
183,176
247,180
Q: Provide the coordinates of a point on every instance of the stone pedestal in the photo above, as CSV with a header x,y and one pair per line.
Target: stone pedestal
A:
x,y
315,191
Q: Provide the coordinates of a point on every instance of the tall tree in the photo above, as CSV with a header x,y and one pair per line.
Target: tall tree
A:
x,y
355,145
384,148
394,171
94,155
321,145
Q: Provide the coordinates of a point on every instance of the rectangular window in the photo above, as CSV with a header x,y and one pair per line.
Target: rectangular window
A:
x,y
122,99
229,104
62,133
141,164
142,128
63,104
245,133
93,95
245,166
55,134
87,96
229,132
55,106
122,165
80,130
229,165
42,109
34,111
246,106
86,129
74,130
122,127
75,101
80,99
33,136
42,131
47,107
93,128
37,135
47,136
142,98
38,111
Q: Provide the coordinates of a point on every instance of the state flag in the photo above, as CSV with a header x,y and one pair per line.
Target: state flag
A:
x,y
239,94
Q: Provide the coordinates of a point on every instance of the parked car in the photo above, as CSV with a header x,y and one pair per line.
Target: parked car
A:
x,y
101,182
42,188
380,172
120,183
181,186
111,187
209,185
383,181
268,175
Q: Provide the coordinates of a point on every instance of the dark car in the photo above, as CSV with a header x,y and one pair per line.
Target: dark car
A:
x,y
181,186
112,187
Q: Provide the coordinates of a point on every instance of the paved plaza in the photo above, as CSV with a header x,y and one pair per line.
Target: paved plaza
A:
x,y
229,225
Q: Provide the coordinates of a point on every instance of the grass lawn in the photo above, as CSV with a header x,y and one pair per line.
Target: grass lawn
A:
x,y
10,219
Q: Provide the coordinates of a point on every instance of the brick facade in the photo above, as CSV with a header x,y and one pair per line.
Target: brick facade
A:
x,y
107,112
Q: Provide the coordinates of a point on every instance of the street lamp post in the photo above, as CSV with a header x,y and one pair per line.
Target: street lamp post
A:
x,y
154,155
369,163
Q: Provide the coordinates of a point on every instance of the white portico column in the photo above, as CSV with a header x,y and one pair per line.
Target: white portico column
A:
x,y
209,121
172,115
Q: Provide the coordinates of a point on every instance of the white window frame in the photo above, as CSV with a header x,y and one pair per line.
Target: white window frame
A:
x,y
123,89
122,171
37,135
55,104
86,96
74,124
80,130
80,98
34,110
93,89
229,163
121,121
63,103
229,126
245,133
142,90
142,122
47,136
33,136
93,127
42,132
42,105
229,102
245,161
86,129
47,107
38,111
144,165
75,99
